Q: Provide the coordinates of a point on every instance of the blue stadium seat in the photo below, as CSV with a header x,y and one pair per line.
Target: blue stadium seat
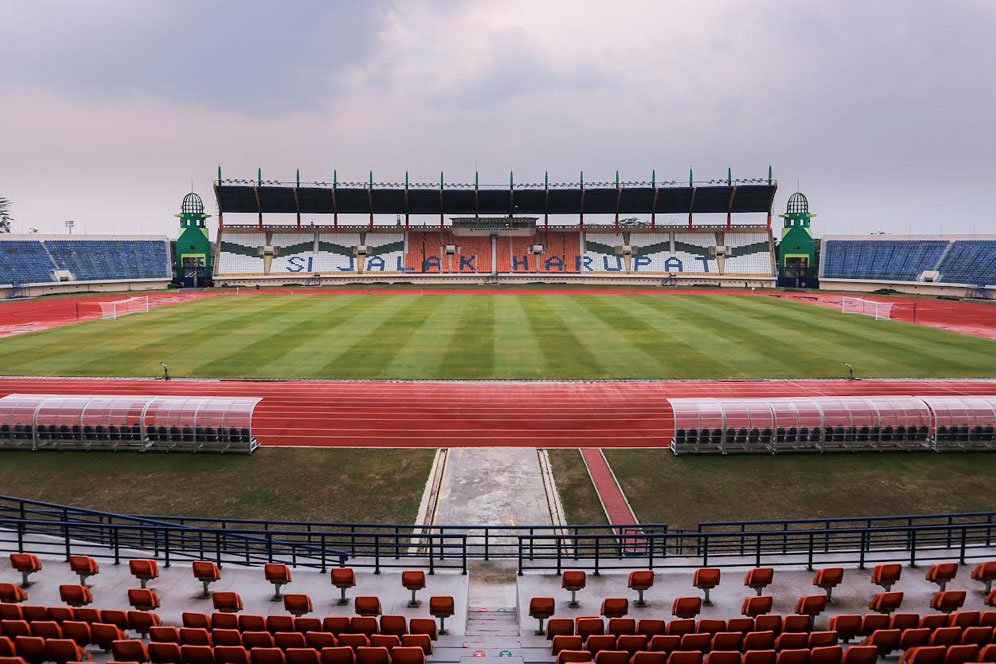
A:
x,y
887,260
970,262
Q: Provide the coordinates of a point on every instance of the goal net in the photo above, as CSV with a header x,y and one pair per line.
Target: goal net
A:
x,y
116,308
857,305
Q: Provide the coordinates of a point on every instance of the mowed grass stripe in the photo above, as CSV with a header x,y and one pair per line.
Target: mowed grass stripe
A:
x,y
606,337
746,349
420,356
565,355
888,345
377,350
668,339
517,350
262,340
317,335
471,351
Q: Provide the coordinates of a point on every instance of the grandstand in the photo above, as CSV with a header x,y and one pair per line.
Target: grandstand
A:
x,y
34,265
284,255
927,264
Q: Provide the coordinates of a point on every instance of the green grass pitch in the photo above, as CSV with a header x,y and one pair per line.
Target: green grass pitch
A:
x,y
403,335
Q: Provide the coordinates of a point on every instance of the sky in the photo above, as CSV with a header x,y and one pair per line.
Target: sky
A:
x,y
881,111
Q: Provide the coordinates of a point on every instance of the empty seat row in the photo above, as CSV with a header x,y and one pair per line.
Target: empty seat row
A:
x,y
285,640
701,641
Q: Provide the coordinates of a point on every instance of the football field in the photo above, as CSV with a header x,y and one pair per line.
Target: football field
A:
x,y
551,335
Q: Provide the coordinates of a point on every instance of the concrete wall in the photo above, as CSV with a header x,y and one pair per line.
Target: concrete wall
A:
x,y
523,279
913,288
34,290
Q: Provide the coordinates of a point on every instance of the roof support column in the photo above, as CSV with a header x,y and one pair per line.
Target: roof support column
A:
x,y
370,201
618,199
770,203
653,204
733,193
511,195
221,220
581,209
546,200
335,206
259,204
406,200
477,195
297,200
691,203
441,184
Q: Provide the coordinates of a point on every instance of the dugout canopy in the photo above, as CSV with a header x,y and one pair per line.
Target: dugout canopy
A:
x,y
207,424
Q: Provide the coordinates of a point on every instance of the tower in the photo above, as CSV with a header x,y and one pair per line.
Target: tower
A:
x,y
797,250
194,255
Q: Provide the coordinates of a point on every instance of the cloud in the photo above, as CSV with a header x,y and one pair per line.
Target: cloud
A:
x,y
881,110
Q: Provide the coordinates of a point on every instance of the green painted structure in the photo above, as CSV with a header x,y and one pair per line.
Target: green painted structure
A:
x,y
193,254
797,263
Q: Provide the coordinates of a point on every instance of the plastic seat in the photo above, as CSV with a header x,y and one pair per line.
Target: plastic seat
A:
x,y
231,655
914,638
226,637
372,655
426,626
964,618
791,640
441,607
598,642
75,594
924,655
632,643
143,599
811,605
47,629
573,581
860,655
705,579
207,573
418,641
227,601
686,607
279,575
319,640
797,622
948,600
196,619
297,604
664,643
409,655
276,622
165,653
886,640
130,650
62,651
144,569
105,634
569,656
12,593
343,578
886,602
27,564
685,657
78,631
394,624
197,654
142,621
252,640
722,657
648,657
695,641
985,573
793,656
640,581
763,640
826,655
31,648
828,578
615,607
961,654
367,605
941,574
620,626
301,656
337,655
726,641
413,580
886,575
556,627
285,640
363,625
195,636
84,567
541,608
651,627
757,605
612,657
354,641
759,578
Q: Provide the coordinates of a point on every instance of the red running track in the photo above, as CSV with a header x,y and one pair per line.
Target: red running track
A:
x,y
614,503
476,413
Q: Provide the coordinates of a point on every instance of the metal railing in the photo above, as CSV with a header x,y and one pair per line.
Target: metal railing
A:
x,y
692,549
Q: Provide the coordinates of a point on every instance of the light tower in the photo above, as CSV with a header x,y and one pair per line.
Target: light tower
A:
x,y
797,249
193,248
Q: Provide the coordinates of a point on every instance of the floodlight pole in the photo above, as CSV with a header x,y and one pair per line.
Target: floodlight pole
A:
x,y
581,209
618,196
259,206
691,203
370,225
733,191
441,185
297,200
406,200
546,201
335,205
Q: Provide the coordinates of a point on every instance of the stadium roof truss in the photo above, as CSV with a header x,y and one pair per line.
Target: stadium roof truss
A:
x,y
724,196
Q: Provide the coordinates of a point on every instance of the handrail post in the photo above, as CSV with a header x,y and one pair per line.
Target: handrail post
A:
x,y
912,547
432,562
705,550
964,536
269,547
117,549
323,552
809,563
757,552
463,541
397,542
864,545
377,553
520,556
560,553
218,534
598,539
166,546
487,545
650,561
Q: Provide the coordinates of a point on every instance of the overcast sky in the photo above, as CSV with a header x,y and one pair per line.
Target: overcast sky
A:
x,y
882,111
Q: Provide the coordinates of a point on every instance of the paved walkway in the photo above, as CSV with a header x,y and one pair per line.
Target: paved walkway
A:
x,y
613,500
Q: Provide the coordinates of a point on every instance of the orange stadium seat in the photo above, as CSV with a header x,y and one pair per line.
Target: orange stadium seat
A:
x,y
686,607
143,599
84,567
887,575
640,581
165,653
828,578
279,575
759,578
297,604
941,573
615,607
130,650
12,593
886,602
573,581
27,564
757,605
343,578
366,605
207,573
705,579
948,600
441,607
144,570
231,655
541,608
301,656
338,655
986,574
413,580
227,601
75,594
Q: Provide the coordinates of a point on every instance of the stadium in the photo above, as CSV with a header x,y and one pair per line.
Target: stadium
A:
x,y
513,332
481,429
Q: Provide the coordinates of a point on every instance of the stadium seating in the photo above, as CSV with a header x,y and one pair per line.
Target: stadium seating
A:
x,y
968,262
240,252
293,252
651,252
385,252
695,253
336,252
86,259
602,253
747,254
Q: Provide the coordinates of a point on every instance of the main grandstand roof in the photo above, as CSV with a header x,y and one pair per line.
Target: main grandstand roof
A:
x,y
703,197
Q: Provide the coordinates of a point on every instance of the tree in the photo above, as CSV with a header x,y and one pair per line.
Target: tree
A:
x,y
6,218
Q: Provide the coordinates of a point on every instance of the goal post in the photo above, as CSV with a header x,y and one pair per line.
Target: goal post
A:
x,y
114,309
859,305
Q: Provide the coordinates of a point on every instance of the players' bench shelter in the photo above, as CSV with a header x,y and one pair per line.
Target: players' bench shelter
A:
x,y
823,424
85,422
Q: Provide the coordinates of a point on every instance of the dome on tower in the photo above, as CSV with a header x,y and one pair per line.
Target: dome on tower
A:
x,y
192,204
798,204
